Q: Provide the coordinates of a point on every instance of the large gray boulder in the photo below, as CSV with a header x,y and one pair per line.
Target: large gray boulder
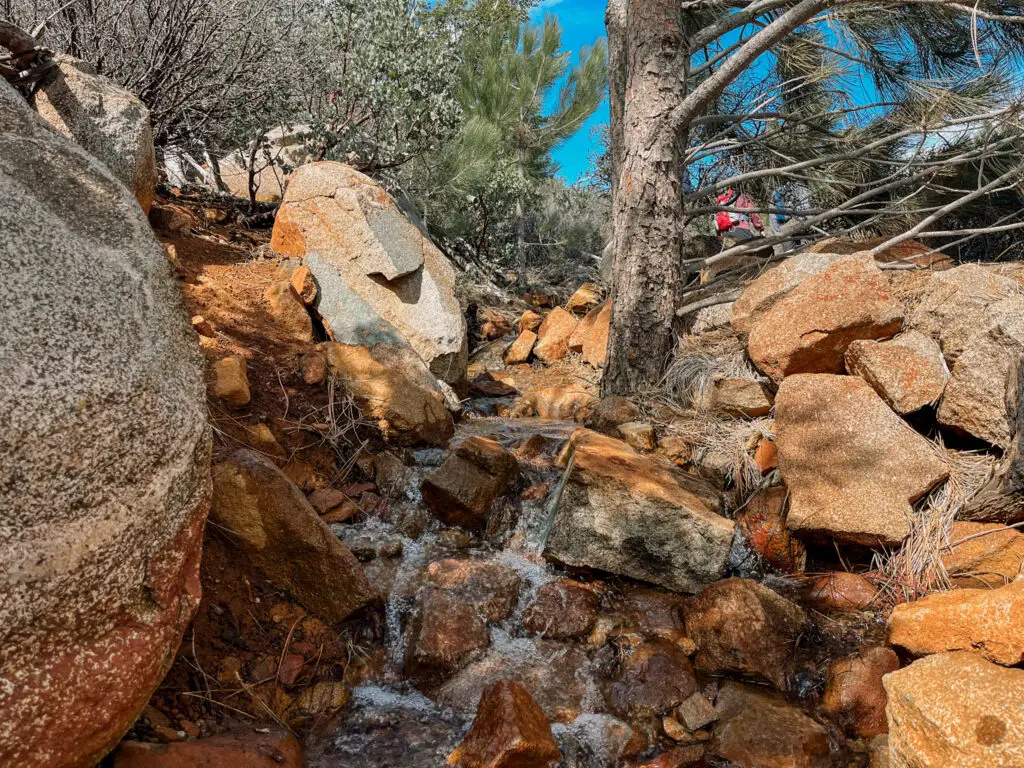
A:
x,y
104,452
381,279
109,122
632,515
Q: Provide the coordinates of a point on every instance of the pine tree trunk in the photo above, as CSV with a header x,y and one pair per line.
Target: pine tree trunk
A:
x,y
647,49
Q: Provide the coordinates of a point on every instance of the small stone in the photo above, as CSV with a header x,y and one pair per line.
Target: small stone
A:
x,y
639,435
691,756
842,591
611,412
320,700
676,449
314,368
766,457
561,403
462,491
553,336
739,399
562,609
655,678
444,631
763,525
325,500
215,215
509,731
854,695
275,749
983,555
203,327
304,285
230,383
155,717
696,712
289,312
492,588
675,731
587,297
520,349
539,299
530,321
485,385
391,474
263,440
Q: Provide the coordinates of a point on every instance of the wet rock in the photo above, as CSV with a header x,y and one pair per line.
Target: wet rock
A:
x,y
110,123
955,709
391,475
763,526
611,412
853,467
983,555
760,730
462,491
765,292
562,609
381,280
634,516
288,311
277,749
392,385
230,382
587,297
696,712
809,329
842,591
529,321
553,335
678,757
492,588
639,435
510,731
854,695
974,401
520,349
984,621
104,446
739,399
444,631
954,305
273,524
655,677
595,741
907,372
742,627
553,672
653,613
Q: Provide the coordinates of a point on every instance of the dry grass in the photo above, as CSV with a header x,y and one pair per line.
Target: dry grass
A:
x,y
916,569
699,360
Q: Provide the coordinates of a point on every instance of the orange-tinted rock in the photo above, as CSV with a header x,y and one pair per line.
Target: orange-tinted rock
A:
x,y
638,517
587,297
610,412
304,284
691,756
983,555
277,749
230,382
529,321
987,622
675,448
766,457
520,349
742,627
595,343
262,439
561,403
326,500
274,525
539,299
955,709
843,591
494,325
654,613
763,524
509,731
854,695
288,311
203,327
909,252
462,490
757,729
639,435
809,330
954,305
853,467
313,367
562,609
907,372
444,631
655,677
492,588
392,385
486,385
553,335
739,398
765,292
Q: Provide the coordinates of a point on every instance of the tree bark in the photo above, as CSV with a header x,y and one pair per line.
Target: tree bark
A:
x,y
1001,499
648,50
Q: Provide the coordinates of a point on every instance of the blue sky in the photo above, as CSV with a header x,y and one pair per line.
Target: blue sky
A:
x,y
582,24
